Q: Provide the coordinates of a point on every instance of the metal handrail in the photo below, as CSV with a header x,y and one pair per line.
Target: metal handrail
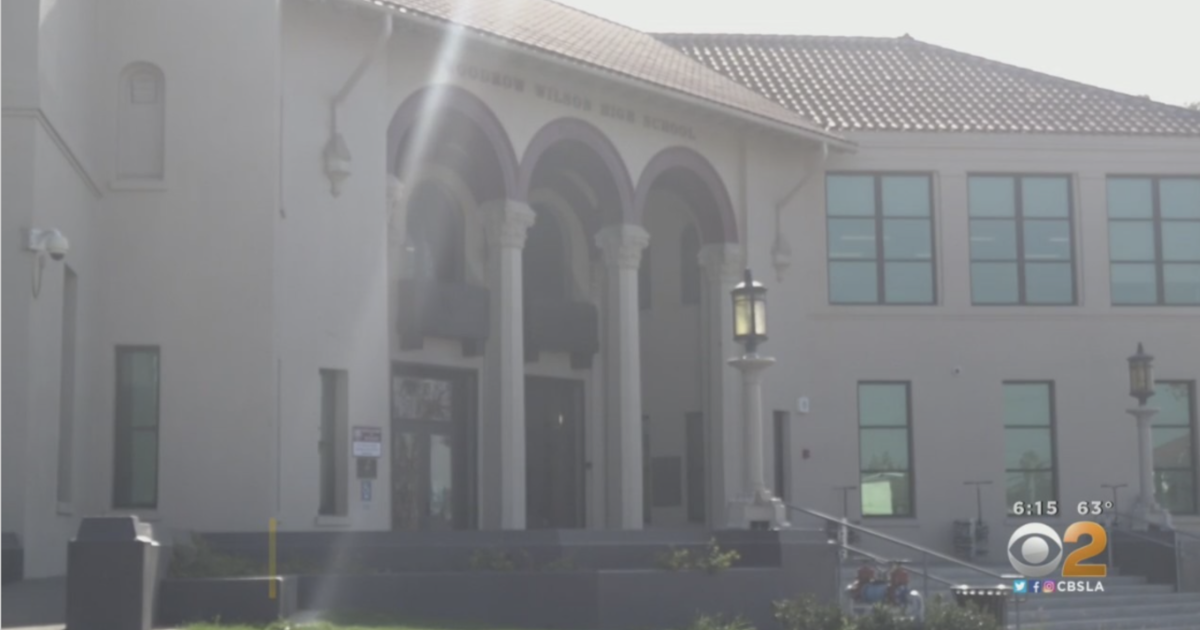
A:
x,y
903,543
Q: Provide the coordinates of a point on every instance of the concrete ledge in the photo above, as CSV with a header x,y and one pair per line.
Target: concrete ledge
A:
x,y
232,600
584,600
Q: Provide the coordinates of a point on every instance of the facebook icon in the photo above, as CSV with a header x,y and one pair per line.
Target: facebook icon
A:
x,y
1037,586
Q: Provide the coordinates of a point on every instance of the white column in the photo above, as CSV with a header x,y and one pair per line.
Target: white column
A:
x,y
622,247
1146,507
502,479
722,265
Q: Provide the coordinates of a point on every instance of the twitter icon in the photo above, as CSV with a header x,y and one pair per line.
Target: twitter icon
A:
x,y
1019,586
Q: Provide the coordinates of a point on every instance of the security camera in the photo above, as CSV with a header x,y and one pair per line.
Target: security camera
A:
x,y
57,245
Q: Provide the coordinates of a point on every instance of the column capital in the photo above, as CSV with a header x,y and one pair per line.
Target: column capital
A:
x,y
622,245
509,223
721,261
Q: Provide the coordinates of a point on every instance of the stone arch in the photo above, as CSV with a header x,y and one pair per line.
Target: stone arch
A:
x,y
572,131
693,177
424,108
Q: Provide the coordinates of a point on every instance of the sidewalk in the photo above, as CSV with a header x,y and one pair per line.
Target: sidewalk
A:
x,y
39,604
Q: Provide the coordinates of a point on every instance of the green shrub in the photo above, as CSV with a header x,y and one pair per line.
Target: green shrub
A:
x,y
948,616
881,618
711,560
199,560
719,622
806,613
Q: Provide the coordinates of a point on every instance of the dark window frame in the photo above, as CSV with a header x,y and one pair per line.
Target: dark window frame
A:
x,y
879,260
1193,424
1018,218
1055,479
781,437
122,496
911,470
1156,220
328,444
689,273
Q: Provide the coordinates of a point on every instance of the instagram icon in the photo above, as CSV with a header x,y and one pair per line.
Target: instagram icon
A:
x,y
1048,586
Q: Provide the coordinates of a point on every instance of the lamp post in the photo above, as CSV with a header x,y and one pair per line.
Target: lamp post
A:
x,y
1141,387
757,507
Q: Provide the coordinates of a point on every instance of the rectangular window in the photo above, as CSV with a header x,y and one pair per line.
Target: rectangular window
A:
x,y
781,437
1029,449
1174,446
697,454
333,446
135,464
1021,240
1154,240
885,449
66,395
880,239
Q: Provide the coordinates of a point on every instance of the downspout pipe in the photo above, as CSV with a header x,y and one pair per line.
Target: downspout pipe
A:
x,y
781,250
337,154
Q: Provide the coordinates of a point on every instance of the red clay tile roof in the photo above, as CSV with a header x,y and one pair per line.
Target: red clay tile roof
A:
x,y
583,38
901,84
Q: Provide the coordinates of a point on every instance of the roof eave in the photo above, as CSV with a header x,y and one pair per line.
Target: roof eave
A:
x,y
829,138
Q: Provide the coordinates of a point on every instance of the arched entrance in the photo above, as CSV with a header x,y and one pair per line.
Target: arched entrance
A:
x,y
449,161
684,206
575,182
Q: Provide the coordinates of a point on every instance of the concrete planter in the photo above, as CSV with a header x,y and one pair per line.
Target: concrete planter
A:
x,y
232,600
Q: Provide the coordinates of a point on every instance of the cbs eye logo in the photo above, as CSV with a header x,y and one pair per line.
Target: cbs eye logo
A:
x,y
1035,550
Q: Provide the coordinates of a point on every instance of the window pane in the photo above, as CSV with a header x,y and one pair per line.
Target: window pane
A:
x,y
1130,198
1181,284
886,494
1131,240
883,449
1026,404
144,465
883,404
1029,486
1172,447
906,196
1174,404
993,240
908,239
1179,198
852,238
853,283
1181,240
994,283
908,283
1028,449
852,195
1047,240
1134,284
1176,490
992,197
1048,283
1045,197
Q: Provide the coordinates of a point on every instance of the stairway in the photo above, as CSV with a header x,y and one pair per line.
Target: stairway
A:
x,y
1127,603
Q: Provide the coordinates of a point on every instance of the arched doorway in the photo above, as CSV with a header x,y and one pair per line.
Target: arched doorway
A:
x,y
573,179
684,206
448,160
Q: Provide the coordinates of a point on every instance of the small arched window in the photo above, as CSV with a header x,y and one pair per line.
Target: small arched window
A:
x,y
141,119
435,235
689,265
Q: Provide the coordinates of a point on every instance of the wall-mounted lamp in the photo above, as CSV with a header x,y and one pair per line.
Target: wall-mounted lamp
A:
x,y
45,242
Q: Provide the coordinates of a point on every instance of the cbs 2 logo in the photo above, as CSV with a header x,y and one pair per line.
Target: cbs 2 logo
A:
x,y
1036,550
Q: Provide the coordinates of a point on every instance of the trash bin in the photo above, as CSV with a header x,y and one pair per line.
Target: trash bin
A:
x,y
990,600
112,567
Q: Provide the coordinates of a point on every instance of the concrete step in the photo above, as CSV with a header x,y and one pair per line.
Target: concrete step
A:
x,y
1155,622
1099,610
